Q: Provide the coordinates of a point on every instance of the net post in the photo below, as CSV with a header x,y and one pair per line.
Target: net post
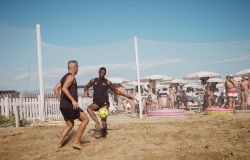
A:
x,y
40,72
138,74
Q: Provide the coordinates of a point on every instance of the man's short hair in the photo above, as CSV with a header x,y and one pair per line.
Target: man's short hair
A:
x,y
72,62
102,68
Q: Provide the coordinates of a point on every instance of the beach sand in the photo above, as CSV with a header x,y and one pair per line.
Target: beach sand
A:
x,y
193,136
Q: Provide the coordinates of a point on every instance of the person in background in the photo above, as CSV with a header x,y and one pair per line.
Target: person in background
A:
x,y
244,87
231,89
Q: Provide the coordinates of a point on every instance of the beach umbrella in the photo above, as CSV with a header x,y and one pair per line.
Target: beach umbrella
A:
x,y
217,80
117,79
202,74
243,72
157,77
135,83
179,81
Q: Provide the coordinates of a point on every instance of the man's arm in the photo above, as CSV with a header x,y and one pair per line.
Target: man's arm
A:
x,y
57,89
86,88
115,90
226,86
69,80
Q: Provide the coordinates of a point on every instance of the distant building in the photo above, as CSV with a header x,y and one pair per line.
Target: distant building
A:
x,y
9,93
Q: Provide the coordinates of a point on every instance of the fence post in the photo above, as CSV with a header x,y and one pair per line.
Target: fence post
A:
x,y
41,108
2,106
6,105
20,104
15,108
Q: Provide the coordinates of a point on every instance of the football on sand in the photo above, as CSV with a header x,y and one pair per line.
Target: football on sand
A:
x,y
103,112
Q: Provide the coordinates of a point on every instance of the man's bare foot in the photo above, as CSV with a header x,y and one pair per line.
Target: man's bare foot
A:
x,y
77,146
98,126
57,147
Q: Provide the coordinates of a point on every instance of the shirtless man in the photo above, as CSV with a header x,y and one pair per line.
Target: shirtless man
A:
x,y
171,97
231,91
209,95
244,86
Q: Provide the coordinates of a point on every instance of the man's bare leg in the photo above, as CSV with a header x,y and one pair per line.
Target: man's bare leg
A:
x,y
233,103
84,122
245,101
209,103
230,103
64,133
90,110
98,126
104,125
242,101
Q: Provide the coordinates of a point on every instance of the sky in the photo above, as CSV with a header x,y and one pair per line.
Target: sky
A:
x,y
100,33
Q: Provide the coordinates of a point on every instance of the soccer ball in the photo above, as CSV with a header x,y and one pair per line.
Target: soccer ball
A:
x,y
103,113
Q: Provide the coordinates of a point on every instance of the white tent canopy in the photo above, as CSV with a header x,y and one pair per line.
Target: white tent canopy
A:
x,y
202,74
179,81
243,72
157,77
135,83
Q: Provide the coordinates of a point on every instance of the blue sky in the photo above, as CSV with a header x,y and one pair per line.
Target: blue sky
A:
x,y
177,37
94,22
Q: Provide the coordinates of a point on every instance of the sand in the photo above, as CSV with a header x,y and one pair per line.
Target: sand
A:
x,y
193,136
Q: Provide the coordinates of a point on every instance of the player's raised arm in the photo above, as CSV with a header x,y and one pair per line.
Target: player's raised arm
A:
x,y
117,91
86,88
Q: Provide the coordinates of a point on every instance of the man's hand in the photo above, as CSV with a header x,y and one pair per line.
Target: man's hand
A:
x,y
75,105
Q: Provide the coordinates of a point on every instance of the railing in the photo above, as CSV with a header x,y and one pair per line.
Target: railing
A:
x,y
28,109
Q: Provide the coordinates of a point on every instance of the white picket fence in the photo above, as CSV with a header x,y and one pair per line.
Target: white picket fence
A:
x,y
28,108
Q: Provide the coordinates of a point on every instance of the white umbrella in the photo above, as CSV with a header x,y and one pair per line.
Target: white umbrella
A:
x,y
157,77
218,80
202,74
179,81
117,80
135,83
243,72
